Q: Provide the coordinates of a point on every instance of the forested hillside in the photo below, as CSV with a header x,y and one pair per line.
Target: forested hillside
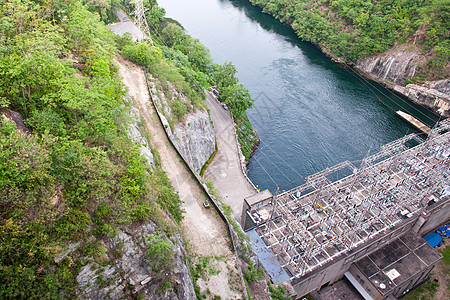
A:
x,y
355,29
70,178
182,60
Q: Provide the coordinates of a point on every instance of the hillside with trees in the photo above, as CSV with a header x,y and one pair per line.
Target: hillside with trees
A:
x,y
185,55
82,212
350,30
71,181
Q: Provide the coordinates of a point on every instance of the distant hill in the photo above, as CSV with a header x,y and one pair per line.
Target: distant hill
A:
x,y
352,31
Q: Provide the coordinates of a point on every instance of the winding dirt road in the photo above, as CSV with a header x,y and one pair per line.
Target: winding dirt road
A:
x,y
204,231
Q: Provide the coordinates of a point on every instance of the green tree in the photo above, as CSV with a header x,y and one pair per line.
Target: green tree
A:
x,y
238,98
225,75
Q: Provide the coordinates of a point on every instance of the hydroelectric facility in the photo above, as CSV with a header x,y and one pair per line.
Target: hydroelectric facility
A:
x,y
366,226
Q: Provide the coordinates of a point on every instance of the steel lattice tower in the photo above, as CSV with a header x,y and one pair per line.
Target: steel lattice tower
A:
x,y
141,20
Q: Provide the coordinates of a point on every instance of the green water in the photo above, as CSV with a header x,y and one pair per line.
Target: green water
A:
x,y
310,113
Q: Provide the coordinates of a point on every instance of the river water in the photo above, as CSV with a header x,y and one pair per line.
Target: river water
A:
x,y
310,113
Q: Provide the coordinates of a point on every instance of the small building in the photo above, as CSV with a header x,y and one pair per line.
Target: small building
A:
x,y
394,269
251,214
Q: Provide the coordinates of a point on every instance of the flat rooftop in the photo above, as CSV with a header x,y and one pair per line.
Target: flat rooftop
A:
x,y
397,262
314,223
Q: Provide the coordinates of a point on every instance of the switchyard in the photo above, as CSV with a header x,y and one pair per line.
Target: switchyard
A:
x,y
311,227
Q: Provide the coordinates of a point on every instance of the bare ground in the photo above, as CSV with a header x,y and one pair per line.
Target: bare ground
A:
x,y
441,273
204,231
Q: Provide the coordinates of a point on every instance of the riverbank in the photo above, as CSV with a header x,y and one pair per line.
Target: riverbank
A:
x,y
413,64
227,169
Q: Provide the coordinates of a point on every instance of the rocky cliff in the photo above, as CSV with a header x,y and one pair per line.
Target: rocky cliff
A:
x,y
393,66
396,66
432,94
135,134
192,135
123,270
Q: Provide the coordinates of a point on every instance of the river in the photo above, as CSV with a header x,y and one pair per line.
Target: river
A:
x,y
310,113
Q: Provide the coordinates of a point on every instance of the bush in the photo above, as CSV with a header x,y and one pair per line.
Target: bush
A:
x,y
159,253
143,54
253,274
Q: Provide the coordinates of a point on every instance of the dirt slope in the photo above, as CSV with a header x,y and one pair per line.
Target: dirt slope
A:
x,y
203,229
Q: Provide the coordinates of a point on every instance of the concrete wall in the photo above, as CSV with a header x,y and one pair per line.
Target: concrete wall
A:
x,y
335,270
364,282
437,215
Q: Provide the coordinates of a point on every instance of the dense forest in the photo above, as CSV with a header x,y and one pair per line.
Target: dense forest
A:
x,y
355,29
69,175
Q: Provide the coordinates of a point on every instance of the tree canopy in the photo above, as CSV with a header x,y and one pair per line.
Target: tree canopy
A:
x,y
355,29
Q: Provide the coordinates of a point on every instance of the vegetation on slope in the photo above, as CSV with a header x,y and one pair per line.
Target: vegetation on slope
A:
x,y
183,61
355,29
76,177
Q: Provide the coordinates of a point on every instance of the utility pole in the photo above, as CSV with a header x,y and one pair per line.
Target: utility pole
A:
x,y
141,20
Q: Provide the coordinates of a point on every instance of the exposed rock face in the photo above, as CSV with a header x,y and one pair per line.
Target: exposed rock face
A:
x,y
195,139
124,272
15,117
435,95
193,136
394,66
397,65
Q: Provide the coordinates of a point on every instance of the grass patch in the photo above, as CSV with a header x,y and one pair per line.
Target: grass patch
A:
x,y
205,166
446,255
423,292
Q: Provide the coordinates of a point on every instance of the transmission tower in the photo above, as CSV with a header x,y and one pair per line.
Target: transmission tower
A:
x,y
141,20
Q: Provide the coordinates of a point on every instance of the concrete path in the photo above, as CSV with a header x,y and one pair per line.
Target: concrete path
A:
x,y
225,170
124,26
204,231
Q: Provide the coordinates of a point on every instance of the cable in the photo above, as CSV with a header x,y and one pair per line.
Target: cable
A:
x,y
286,163
293,183
255,159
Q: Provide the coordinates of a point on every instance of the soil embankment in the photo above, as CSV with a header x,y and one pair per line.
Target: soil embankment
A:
x,y
204,231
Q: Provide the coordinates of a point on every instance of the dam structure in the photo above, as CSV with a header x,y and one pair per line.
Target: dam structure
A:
x,y
364,226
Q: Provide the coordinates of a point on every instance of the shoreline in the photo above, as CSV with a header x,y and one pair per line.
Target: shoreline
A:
x,y
393,87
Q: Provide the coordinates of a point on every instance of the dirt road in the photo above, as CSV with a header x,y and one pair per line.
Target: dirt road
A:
x,y
225,170
204,231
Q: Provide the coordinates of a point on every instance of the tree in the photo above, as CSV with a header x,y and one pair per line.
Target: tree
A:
x,y
238,98
225,75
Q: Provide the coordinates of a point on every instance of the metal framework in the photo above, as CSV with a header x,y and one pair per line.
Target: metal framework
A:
x,y
140,19
307,230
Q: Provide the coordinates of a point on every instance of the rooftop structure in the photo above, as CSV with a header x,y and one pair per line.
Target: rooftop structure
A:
x,y
395,268
311,225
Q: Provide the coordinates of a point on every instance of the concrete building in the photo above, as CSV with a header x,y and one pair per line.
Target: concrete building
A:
x,y
365,226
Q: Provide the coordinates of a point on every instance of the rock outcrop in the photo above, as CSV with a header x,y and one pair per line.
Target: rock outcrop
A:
x,y
397,65
392,66
195,139
193,135
123,270
435,95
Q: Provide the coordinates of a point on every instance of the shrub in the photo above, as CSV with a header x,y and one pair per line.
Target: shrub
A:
x,y
159,253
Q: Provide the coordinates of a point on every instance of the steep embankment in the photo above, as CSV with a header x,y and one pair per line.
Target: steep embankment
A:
x,y
395,43
398,66
85,210
204,231
192,134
